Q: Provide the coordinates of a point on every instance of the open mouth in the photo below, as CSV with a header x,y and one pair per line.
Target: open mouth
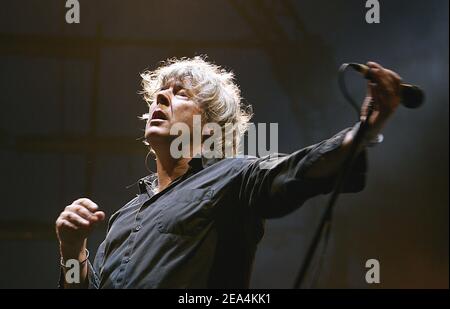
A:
x,y
158,115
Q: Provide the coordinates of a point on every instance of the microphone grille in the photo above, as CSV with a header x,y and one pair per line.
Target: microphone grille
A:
x,y
412,96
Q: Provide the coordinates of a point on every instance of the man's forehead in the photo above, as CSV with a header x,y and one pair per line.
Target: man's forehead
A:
x,y
178,80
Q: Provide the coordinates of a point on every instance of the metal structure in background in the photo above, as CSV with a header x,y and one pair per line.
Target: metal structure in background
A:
x,y
277,30
291,50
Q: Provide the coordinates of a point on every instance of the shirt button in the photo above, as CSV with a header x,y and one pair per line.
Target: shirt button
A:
x,y
142,186
138,228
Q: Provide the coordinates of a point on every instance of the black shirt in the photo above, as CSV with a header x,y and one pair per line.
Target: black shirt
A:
x,y
202,230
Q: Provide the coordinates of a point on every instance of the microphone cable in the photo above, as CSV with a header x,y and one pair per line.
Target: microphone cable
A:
x,y
327,216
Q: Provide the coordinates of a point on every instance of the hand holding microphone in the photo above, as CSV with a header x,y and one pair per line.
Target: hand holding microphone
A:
x,y
385,92
411,96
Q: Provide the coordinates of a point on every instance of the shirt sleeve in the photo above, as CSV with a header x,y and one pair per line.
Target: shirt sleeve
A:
x,y
93,270
275,185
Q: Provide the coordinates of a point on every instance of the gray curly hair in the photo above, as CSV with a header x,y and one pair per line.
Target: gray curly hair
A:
x,y
214,90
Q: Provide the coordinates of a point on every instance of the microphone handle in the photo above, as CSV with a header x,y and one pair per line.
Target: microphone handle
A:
x,y
411,95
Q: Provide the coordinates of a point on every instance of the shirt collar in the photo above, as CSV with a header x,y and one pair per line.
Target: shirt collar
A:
x,y
200,162
196,163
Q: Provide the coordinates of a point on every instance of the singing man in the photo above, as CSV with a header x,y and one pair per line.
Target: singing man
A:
x,y
197,220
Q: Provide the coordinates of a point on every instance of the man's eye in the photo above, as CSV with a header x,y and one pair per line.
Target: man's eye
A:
x,y
182,93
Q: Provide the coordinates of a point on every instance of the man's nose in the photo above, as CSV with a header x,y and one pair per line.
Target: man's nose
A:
x,y
162,98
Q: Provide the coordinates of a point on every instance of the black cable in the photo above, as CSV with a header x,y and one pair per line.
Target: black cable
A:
x,y
328,224
343,87
325,221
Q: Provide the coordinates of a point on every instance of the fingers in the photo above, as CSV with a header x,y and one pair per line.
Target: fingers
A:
x,y
100,215
82,213
396,81
394,75
373,65
86,203
75,219
61,222
384,88
389,79
88,209
379,96
365,106
380,77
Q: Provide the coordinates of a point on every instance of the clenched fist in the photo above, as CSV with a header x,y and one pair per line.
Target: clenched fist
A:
x,y
77,221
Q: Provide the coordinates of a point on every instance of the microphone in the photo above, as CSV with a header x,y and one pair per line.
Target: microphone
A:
x,y
411,96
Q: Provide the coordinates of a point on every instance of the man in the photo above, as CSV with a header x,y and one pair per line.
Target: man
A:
x,y
196,222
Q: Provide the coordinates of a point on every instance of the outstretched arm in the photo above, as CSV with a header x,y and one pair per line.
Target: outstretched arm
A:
x,y
275,186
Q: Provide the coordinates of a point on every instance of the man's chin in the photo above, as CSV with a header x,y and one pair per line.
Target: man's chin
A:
x,y
155,133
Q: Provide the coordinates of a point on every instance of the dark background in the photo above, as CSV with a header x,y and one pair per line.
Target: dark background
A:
x,y
69,125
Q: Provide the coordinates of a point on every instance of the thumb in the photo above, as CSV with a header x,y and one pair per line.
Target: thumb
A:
x,y
100,215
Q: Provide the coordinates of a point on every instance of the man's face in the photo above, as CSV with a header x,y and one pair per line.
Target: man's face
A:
x,y
173,103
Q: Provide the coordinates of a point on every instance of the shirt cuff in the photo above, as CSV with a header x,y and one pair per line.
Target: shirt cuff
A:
x,y
368,142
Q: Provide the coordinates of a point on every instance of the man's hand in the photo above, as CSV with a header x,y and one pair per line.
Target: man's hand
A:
x,y
384,92
74,225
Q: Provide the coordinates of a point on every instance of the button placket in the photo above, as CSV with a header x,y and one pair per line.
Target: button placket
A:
x,y
127,256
